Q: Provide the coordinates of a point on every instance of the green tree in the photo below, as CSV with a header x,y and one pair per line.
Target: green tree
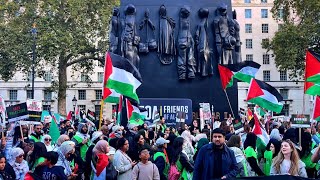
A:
x,y
300,31
70,33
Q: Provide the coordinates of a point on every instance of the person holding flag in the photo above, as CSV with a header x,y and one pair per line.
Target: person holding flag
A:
x,y
82,140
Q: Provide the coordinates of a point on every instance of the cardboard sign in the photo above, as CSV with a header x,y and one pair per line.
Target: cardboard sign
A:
x,y
34,109
2,111
237,125
17,112
300,120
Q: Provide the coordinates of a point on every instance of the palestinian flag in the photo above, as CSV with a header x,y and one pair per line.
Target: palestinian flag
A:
x,y
135,114
249,114
243,71
99,170
119,110
265,96
91,115
262,135
312,67
108,95
226,76
54,131
316,109
122,76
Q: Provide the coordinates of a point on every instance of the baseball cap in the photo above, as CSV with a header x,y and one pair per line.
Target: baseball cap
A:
x,y
161,141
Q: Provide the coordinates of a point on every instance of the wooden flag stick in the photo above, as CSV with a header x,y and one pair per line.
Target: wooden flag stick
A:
x,y
101,114
229,103
21,131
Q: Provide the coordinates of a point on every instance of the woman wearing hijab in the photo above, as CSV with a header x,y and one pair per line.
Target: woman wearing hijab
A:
x,y
272,150
102,168
62,138
66,151
19,165
46,139
187,145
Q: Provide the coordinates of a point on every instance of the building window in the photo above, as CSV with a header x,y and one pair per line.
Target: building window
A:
x,y
248,28
280,13
98,94
13,95
283,75
264,1
47,76
84,77
247,13
97,109
266,75
284,93
249,57
82,94
46,107
265,28
100,76
266,58
82,107
285,110
29,94
265,43
47,95
249,43
264,13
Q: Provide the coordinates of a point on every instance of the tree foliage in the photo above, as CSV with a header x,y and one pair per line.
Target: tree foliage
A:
x,y
69,33
300,31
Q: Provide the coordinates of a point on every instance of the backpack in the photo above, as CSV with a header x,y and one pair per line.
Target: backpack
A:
x,y
173,174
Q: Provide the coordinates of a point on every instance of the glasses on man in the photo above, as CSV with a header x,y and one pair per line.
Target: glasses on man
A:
x,y
47,139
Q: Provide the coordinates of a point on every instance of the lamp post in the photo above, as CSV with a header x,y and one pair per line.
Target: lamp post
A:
x,y
34,35
74,103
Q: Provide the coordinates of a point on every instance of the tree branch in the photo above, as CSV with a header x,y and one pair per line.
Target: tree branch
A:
x,y
84,58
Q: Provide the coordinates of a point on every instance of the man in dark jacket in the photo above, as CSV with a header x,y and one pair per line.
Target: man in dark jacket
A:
x,y
215,160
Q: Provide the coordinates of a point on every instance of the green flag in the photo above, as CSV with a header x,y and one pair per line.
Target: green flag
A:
x,y
54,131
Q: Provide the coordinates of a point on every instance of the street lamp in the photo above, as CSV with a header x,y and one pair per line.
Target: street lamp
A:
x,y
74,103
34,35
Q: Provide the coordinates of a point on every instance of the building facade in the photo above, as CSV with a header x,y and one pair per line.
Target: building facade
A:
x,y
88,95
256,26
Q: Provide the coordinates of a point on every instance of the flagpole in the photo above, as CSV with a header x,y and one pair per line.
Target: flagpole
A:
x,y
101,113
229,103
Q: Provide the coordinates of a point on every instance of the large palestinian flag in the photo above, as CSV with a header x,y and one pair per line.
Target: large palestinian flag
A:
x,y
121,76
312,74
243,71
265,96
135,114
316,109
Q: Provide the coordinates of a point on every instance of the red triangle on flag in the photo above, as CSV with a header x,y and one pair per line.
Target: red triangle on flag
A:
x,y
316,109
129,108
254,90
312,65
107,73
257,129
225,75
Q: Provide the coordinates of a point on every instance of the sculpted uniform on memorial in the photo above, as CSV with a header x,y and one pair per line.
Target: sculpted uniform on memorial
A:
x,y
203,52
186,61
166,48
223,30
129,38
115,31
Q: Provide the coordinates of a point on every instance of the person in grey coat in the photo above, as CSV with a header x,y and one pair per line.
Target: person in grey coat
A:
x,y
122,162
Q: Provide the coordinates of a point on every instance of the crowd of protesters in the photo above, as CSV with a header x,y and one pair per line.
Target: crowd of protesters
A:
x,y
157,153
